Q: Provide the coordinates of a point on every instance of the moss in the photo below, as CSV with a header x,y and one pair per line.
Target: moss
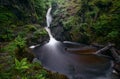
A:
x,y
43,32
12,46
7,19
13,26
40,7
40,32
30,27
71,22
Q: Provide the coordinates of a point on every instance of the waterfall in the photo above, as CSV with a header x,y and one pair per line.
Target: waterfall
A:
x,y
49,17
55,57
48,21
52,40
49,32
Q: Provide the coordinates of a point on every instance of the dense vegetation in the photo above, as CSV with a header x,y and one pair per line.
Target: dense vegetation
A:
x,y
21,25
22,22
90,21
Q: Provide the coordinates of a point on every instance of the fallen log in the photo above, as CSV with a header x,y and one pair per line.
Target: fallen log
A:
x,y
115,55
97,45
104,49
113,52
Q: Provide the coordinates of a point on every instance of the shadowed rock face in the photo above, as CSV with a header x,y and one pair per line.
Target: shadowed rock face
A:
x,y
54,57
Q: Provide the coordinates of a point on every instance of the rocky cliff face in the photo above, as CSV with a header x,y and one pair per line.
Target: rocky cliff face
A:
x,y
63,16
87,21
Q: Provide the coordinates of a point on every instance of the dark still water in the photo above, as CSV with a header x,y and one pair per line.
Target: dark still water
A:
x,y
55,57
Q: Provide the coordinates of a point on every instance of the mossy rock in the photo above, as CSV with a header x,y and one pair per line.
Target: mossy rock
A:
x,y
41,32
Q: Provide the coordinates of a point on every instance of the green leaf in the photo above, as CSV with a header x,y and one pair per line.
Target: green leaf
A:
x,y
17,64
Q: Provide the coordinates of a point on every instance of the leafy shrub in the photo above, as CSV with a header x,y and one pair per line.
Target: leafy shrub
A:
x,y
6,16
30,27
21,65
40,32
40,9
6,19
12,46
23,69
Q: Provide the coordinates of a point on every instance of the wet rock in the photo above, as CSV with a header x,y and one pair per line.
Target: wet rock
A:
x,y
117,68
57,76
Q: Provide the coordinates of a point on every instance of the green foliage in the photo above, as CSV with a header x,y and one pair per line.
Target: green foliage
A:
x,y
19,41
95,20
71,22
113,34
14,29
25,30
24,70
43,32
40,32
6,34
30,28
6,16
21,65
12,46
41,75
6,19
18,15
40,7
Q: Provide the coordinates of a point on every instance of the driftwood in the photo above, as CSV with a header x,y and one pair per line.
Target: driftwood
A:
x,y
114,54
104,48
97,45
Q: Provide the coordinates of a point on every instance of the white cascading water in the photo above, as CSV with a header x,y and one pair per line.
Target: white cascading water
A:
x,y
48,21
49,17
52,40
